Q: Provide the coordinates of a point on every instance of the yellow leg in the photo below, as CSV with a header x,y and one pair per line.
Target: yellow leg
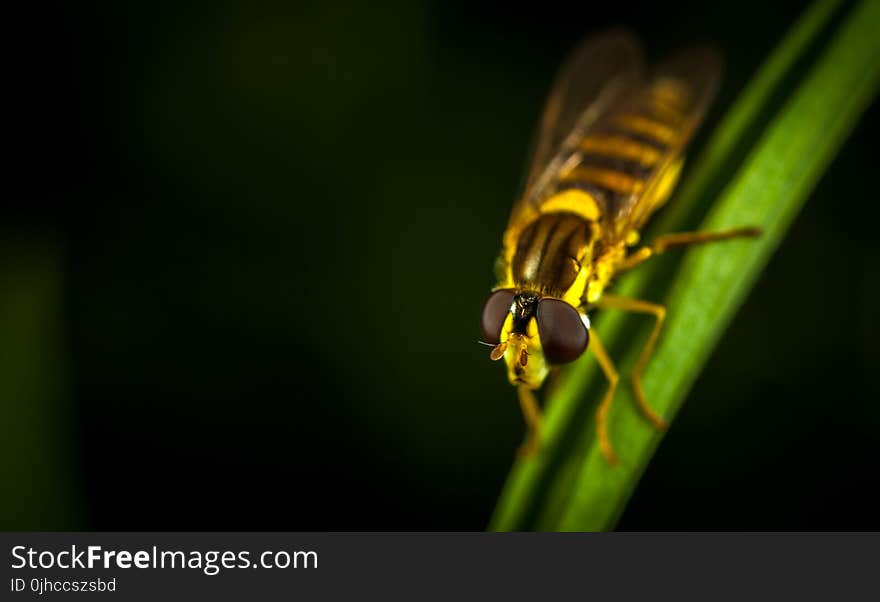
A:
x,y
659,312
682,239
532,414
602,411
555,380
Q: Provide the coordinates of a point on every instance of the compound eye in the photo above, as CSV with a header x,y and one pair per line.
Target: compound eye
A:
x,y
563,335
495,311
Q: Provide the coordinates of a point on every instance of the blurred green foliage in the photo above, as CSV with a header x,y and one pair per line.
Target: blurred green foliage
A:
x,y
41,479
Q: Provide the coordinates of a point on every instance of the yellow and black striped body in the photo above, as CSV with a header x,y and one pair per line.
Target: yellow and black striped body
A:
x,y
550,252
570,243
617,162
621,171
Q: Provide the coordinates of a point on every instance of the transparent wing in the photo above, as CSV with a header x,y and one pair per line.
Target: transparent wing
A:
x,y
602,70
679,93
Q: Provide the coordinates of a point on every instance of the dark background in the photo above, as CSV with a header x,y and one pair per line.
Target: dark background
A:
x,y
247,246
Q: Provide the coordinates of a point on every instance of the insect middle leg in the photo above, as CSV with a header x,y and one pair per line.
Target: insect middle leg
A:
x,y
659,312
602,411
683,239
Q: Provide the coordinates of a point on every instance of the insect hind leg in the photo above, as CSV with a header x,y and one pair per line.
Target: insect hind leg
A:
x,y
683,239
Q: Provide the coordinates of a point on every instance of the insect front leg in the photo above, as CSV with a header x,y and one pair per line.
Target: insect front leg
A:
x,y
659,312
532,414
555,381
683,239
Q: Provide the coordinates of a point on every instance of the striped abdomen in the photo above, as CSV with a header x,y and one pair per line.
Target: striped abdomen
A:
x,y
619,155
550,252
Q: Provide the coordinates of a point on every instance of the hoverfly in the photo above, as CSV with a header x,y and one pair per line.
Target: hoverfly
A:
x,y
608,153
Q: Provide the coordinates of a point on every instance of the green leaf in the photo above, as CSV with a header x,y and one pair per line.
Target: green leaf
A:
x,y
569,486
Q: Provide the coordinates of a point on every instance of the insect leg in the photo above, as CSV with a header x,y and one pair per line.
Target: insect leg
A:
x,y
659,312
683,239
555,381
532,414
602,411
